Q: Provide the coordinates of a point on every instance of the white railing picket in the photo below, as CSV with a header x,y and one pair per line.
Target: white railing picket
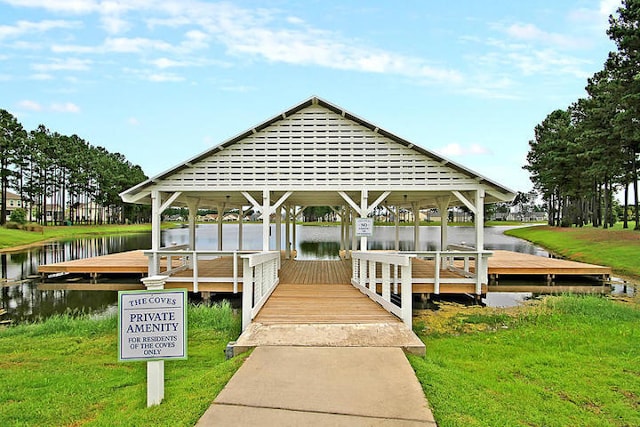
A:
x,y
365,279
364,275
260,278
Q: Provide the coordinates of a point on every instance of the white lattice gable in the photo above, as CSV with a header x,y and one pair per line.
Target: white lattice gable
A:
x,y
315,150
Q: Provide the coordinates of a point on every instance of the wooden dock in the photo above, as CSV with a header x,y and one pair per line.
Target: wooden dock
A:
x,y
507,263
217,275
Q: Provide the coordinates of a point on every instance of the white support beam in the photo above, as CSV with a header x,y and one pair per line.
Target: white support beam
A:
x,y
266,214
280,201
240,221
479,201
415,207
192,204
256,206
278,214
156,202
499,196
468,203
379,200
170,200
351,203
396,222
443,208
220,209
287,232
364,203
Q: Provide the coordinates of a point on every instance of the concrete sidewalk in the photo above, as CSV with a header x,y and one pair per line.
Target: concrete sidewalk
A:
x,y
322,386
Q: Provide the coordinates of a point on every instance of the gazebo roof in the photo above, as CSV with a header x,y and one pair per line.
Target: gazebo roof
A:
x,y
315,150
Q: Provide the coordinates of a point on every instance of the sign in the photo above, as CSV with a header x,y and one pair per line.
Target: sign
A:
x,y
152,325
364,227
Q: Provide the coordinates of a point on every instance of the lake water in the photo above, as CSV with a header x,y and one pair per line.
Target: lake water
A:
x,y
24,302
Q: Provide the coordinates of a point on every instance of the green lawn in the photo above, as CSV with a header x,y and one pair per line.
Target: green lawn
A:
x,y
571,361
12,238
617,248
65,371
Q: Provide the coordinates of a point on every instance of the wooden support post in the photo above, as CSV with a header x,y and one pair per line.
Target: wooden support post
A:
x,y
416,226
396,221
266,214
240,221
192,204
364,212
278,214
443,208
479,216
220,217
156,202
287,232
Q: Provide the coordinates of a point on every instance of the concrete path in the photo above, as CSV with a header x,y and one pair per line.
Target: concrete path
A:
x,y
322,386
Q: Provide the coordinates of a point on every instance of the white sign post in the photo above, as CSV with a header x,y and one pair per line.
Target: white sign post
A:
x,y
153,327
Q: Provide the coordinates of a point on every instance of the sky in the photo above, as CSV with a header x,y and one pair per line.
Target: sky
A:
x,y
160,81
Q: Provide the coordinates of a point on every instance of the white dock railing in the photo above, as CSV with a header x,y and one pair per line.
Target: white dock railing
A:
x,y
188,259
364,277
259,279
458,261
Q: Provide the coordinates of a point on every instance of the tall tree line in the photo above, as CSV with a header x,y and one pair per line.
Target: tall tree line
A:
x,y
582,155
65,175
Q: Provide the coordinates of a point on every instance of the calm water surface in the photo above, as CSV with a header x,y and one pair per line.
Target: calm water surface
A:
x,y
24,302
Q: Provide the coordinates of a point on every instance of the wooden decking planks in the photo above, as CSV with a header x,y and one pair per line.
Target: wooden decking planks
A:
x,y
516,263
315,272
306,303
134,262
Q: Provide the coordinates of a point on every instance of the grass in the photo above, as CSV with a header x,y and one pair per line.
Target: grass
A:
x,y
10,238
570,360
615,247
64,371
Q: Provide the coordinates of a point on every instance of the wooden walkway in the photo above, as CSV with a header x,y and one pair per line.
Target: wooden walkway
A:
x,y
321,303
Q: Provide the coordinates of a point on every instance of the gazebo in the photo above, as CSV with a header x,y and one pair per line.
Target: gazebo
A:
x,y
318,154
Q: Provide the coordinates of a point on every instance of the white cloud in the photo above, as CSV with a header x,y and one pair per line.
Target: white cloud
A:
x,y
28,27
531,33
608,7
164,77
168,63
67,107
72,6
135,45
70,64
323,48
41,76
30,105
115,24
133,121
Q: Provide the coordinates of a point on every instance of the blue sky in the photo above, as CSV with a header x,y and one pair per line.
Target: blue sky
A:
x,y
161,81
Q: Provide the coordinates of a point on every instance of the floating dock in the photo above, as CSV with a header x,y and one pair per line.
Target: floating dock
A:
x,y
212,273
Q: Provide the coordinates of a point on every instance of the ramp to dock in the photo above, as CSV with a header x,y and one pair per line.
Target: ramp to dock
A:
x,y
322,387
326,316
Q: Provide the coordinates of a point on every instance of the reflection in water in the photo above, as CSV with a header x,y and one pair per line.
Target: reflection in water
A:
x,y
23,301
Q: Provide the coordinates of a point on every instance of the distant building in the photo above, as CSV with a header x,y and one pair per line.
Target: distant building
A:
x,y
13,202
